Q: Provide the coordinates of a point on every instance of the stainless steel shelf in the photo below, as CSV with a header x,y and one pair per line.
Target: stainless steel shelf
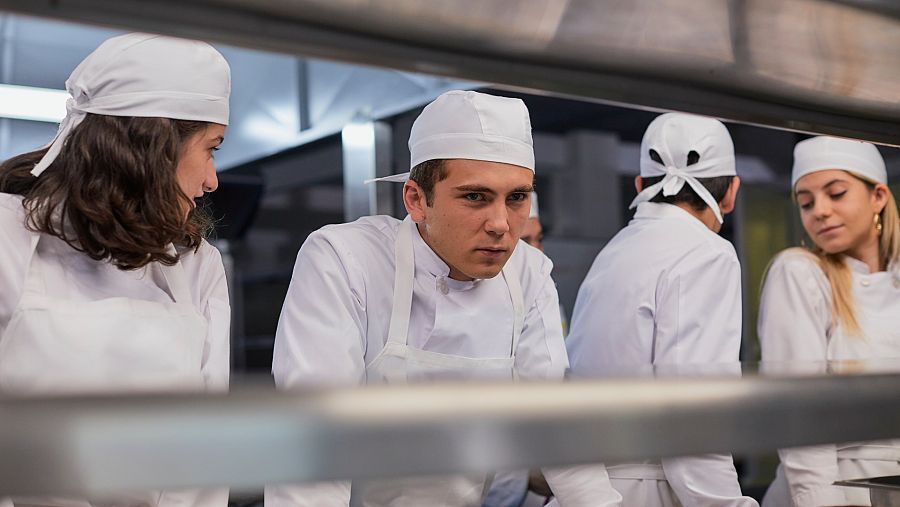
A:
x,y
808,65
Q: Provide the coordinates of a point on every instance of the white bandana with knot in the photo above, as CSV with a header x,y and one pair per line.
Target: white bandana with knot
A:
x,y
673,136
145,75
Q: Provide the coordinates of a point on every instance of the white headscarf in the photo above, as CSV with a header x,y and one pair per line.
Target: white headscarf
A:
x,y
824,152
147,76
673,136
474,126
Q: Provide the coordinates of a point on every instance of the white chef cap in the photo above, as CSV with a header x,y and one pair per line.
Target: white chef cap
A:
x,y
145,75
535,211
824,152
673,136
474,126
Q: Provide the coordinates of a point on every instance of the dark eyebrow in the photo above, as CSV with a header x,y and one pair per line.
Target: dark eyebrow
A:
x,y
474,188
485,190
832,182
220,139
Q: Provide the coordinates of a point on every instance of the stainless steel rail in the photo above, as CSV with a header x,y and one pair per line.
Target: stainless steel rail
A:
x,y
810,65
253,437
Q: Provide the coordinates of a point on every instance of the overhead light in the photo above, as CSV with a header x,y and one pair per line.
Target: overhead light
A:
x,y
358,134
30,103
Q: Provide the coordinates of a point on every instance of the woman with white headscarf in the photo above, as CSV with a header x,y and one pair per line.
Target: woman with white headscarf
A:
x,y
839,300
108,282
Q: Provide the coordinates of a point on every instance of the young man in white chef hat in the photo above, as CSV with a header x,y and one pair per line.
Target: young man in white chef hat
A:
x,y
449,289
666,291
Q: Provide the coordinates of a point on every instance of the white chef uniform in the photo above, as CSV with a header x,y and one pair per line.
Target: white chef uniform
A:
x,y
69,324
666,290
371,301
795,325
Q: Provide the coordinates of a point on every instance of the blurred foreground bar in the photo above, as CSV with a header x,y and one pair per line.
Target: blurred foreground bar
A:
x,y
254,436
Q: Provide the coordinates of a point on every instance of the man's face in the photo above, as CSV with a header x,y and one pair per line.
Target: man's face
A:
x,y
477,216
533,233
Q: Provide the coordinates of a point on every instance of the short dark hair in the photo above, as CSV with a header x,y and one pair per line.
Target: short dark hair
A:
x,y
427,174
112,193
717,186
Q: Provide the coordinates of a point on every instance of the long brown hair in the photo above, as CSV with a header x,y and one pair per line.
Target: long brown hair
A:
x,y
112,192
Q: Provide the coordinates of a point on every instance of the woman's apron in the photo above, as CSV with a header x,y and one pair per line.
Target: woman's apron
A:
x,y
55,346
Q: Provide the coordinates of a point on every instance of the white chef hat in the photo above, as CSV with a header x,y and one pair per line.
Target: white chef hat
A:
x,y
824,152
145,75
673,136
474,126
535,211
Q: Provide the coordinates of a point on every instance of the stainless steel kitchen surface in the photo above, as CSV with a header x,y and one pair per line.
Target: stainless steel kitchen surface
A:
x,y
883,491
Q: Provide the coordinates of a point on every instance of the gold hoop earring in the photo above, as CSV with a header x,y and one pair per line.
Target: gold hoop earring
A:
x,y
878,226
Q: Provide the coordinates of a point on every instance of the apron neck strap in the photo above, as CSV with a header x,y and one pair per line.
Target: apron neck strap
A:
x,y
404,276
518,301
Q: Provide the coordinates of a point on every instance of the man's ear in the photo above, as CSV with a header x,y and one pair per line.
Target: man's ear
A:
x,y
638,184
414,201
726,205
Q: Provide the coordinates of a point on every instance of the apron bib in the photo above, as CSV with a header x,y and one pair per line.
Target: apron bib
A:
x,y
399,363
58,346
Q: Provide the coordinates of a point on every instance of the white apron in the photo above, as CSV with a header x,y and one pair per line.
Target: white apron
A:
x,y
57,346
399,363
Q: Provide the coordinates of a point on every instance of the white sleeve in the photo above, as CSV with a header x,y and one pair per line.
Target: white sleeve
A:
x,y
794,312
583,485
193,498
707,480
216,360
320,340
794,316
541,353
586,485
698,315
320,494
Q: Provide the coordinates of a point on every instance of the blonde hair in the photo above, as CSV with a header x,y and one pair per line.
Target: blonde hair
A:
x,y
843,308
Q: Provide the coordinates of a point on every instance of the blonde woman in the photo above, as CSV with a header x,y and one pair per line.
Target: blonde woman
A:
x,y
838,300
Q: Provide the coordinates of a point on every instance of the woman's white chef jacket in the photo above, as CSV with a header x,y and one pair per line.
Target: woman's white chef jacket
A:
x,y
795,324
75,281
336,316
664,291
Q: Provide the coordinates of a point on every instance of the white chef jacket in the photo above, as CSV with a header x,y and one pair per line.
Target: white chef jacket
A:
x,y
73,276
336,315
795,324
665,290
